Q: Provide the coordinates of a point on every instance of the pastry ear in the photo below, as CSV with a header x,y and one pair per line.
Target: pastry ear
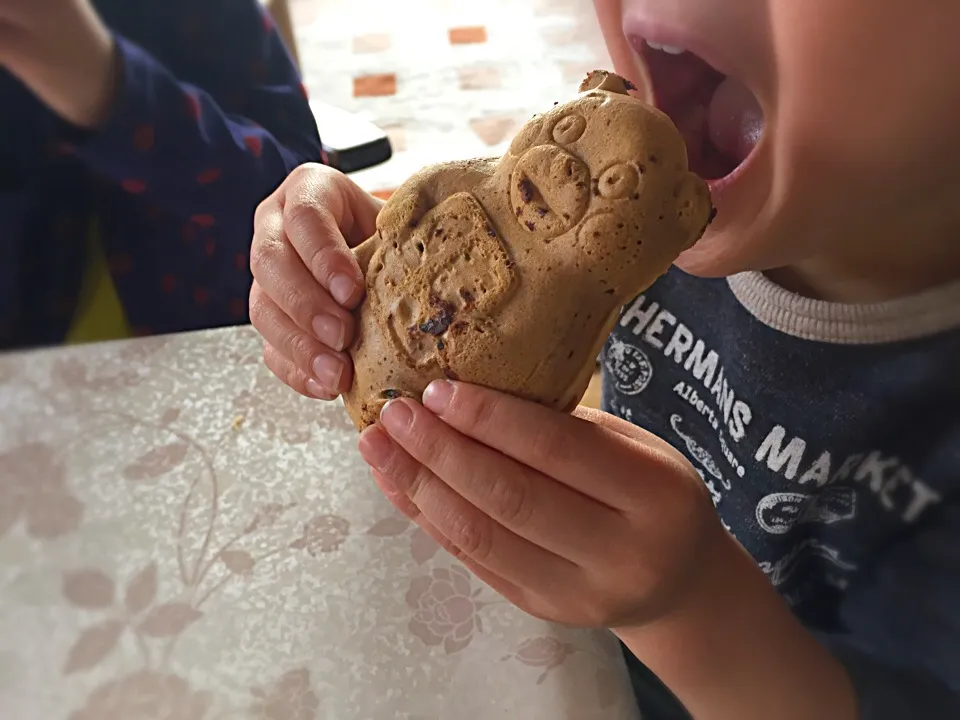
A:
x,y
364,251
694,209
404,210
420,193
603,80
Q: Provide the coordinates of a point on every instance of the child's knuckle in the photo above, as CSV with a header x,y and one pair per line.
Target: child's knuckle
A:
x,y
259,314
295,303
482,408
321,259
430,448
263,254
510,501
301,174
551,441
300,348
416,483
471,537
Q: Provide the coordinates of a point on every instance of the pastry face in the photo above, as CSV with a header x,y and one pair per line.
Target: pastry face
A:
x,y
448,275
510,273
580,161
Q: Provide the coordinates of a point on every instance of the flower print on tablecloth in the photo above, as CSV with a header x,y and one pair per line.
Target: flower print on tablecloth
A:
x,y
322,534
422,547
291,697
33,488
138,613
271,407
446,609
149,619
209,556
145,695
216,544
445,603
157,624
542,652
548,653
76,375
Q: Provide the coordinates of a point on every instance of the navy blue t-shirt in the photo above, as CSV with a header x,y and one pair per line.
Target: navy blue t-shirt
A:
x,y
829,438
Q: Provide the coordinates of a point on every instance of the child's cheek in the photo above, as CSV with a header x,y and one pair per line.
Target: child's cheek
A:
x,y
625,60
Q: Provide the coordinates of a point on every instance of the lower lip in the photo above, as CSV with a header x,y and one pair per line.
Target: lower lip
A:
x,y
720,185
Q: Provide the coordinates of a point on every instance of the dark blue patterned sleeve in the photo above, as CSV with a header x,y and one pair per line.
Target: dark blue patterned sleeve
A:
x,y
212,144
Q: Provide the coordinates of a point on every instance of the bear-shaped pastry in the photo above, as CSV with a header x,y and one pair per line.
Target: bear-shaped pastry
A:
x,y
510,273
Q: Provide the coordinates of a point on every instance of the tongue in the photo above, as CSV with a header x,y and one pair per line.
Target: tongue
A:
x,y
734,120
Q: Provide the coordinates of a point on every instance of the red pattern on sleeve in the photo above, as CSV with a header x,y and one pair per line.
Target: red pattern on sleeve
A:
x,y
254,145
134,186
193,106
210,175
206,148
204,221
144,137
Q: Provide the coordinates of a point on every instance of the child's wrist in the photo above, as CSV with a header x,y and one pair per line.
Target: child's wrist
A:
x,y
87,101
76,74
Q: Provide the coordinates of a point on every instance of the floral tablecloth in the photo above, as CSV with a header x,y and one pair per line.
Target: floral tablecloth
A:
x,y
183,538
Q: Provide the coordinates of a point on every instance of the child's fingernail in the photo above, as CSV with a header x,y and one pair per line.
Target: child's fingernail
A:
x,y
376,448
328,370
329,330
396,417
342,288
438,395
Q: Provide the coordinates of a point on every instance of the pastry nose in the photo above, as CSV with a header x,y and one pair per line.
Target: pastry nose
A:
x,y
549,190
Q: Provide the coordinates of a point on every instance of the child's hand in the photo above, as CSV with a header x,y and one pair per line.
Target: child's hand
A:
x,y
586,519
590,521
306,279
63,52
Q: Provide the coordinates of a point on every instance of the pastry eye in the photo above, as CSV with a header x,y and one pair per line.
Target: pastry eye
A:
x,y
619,181
569,129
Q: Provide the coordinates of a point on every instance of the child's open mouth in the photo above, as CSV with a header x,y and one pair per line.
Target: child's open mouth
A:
x,y
719,118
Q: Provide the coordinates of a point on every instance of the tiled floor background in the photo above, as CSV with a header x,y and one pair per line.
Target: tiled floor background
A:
x,y
447,79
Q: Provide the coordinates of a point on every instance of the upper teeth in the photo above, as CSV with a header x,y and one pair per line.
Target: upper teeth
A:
x,y
669,49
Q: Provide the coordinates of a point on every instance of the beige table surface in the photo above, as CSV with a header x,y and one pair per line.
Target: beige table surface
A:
x,y
183,538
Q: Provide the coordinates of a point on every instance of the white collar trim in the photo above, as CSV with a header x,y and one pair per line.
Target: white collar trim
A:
x,y
910,318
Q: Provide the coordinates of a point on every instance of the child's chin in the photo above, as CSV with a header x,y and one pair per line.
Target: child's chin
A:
x,y
714,255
